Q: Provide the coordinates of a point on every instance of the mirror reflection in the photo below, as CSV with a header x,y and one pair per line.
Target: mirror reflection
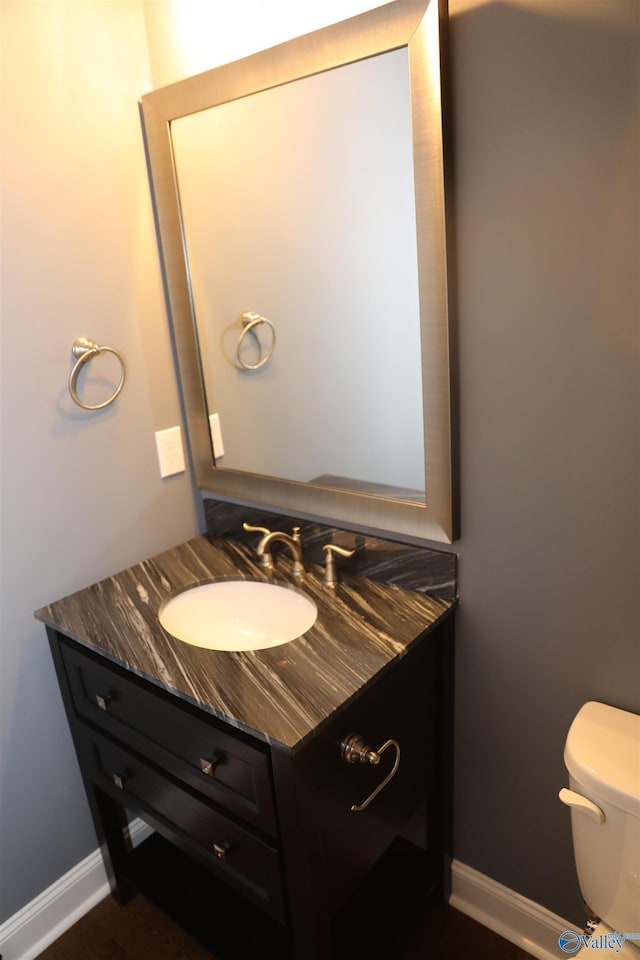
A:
x,y
298,205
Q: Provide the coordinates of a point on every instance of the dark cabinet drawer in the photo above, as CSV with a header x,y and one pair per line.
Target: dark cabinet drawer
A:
x,y
243,860
228,770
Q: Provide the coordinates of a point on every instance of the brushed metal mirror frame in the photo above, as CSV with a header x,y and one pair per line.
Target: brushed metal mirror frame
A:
x,y
418,26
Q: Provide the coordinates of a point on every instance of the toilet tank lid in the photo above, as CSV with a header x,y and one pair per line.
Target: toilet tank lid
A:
x,y
602,753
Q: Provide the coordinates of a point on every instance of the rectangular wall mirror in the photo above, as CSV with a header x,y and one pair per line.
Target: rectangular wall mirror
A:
x,y
302,219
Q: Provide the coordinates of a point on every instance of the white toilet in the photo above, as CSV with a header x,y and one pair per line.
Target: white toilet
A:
x,y
602,755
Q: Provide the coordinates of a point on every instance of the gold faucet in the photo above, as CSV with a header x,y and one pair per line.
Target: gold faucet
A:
x,y
264,547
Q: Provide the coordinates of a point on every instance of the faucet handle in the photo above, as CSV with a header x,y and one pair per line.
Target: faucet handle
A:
x,y
330,575
251,529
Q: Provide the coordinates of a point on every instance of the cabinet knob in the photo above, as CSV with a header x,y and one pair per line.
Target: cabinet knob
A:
x,y
221,849
119,779
103,700
209,766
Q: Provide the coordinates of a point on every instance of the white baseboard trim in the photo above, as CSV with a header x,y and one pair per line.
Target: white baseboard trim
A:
x,y
33,928
531,927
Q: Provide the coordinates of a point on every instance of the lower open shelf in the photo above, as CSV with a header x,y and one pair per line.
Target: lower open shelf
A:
x,y
223,921
373,923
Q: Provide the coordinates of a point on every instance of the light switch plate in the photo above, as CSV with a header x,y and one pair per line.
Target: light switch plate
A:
x,y
170,451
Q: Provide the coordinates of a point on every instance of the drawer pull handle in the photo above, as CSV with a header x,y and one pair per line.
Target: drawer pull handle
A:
x,y
353,749
119,779
103,700
221,849
209,766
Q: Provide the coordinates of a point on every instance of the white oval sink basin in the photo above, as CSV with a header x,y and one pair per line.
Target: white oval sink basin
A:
x,y
238,615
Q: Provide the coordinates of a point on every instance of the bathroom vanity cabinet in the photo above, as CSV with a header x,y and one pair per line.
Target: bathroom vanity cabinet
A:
x,y
272,821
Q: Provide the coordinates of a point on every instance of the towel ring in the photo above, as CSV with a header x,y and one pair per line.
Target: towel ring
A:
x,y
250,321
353,749
84,349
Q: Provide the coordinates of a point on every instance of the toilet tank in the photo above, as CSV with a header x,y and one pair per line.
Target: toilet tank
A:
x,y
602,756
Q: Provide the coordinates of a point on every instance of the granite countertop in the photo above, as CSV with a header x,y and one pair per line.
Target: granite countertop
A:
x,y
280,695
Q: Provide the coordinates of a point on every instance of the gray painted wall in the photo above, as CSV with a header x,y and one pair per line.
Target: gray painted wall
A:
x,y
547,176
546,135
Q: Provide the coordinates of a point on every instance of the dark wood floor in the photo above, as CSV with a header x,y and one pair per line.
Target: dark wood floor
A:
x,y
141,931
393,915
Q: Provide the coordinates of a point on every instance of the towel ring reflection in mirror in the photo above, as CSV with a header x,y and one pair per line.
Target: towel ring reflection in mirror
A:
x,y
250,321
84,350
